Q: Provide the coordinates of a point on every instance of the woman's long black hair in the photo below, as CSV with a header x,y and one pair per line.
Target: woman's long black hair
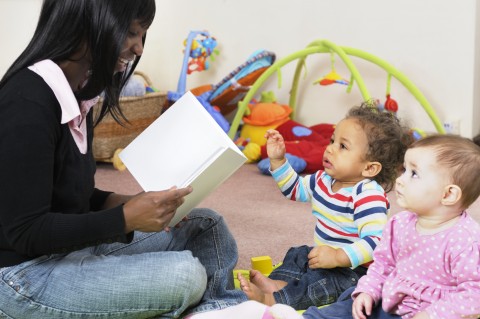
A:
x,y
65,25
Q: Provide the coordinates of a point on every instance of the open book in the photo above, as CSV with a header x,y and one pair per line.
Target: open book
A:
x,y
184,146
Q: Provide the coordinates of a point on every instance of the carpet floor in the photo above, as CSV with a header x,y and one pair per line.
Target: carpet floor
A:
x,y
260,218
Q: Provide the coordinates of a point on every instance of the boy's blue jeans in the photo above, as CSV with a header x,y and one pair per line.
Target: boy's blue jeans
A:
x,y
311,287
159,275
342,309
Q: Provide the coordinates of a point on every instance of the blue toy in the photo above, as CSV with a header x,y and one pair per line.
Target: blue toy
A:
x,y
196,53
214,112
298,164
222,98
199,50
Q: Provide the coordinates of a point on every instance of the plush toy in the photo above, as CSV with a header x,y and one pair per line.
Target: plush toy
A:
x,y
200,50
304,145
263,116
133,87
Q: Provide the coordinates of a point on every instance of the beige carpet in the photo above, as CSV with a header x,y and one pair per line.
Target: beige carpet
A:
x,y
261,219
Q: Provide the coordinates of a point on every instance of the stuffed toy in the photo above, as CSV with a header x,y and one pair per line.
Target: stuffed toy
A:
x,y
133,87
304,145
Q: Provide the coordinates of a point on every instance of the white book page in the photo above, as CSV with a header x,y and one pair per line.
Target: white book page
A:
x,y
208,180
172,148
203,166
178,146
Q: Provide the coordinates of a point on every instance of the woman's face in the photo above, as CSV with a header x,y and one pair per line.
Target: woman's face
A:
x,y
77,68
132,47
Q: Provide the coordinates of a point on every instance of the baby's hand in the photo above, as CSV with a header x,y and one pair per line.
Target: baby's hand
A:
x,y
322,257
362,305
422,315
327,257
275,145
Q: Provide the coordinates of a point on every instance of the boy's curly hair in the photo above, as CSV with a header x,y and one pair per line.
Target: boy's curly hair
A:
x,y
388,140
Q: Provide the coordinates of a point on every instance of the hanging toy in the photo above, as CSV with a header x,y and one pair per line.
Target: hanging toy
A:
x,y
199,50
390,104
333,76
417,134
378,104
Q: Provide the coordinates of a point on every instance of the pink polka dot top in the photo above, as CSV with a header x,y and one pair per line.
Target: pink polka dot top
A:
x,y
437,273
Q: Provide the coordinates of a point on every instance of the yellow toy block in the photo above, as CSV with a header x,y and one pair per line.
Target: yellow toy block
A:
x,y
245,273
263,264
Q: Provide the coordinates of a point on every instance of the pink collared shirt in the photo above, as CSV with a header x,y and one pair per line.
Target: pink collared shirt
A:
x,y
72,113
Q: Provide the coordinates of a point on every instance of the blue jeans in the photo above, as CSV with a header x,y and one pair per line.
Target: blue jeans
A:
x,y
311,287
342,309
161,275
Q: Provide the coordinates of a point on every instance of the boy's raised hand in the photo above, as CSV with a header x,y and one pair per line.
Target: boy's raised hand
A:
x,y
275,148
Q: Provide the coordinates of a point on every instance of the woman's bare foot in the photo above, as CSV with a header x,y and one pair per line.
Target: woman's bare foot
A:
x,y
255,293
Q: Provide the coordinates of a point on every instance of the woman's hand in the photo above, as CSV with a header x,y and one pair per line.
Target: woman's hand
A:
x,y
275,148
152,211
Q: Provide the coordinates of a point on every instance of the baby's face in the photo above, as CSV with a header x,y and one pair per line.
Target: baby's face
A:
x,y
344,159
421,186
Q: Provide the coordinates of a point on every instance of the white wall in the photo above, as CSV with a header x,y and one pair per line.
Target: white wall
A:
x,y
431,41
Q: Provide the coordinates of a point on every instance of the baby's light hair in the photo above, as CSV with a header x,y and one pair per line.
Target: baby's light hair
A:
x,y
461,156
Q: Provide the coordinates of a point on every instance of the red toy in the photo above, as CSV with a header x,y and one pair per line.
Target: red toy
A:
x,y
307,147
306,143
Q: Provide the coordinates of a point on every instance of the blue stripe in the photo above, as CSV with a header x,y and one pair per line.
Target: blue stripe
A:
x,y
343,227
313,182
370,211
334,224
302,195
372,232
370,241
331,239
280,171
289,190
359,189
322,197
340,209
352,255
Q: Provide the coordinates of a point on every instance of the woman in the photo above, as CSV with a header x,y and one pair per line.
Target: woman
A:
x,y
67,249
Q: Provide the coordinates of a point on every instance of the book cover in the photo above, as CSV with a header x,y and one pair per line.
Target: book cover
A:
x,y
184,146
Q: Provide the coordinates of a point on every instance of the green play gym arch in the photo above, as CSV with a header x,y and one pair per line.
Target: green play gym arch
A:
x,y
325,46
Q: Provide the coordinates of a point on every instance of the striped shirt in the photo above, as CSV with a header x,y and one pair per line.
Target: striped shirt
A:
x,y
351,219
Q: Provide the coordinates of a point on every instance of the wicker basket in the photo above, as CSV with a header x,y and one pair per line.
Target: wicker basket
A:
x,y
111,137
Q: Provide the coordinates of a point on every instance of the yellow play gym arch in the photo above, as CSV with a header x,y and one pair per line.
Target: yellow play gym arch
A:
x,y
326,46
